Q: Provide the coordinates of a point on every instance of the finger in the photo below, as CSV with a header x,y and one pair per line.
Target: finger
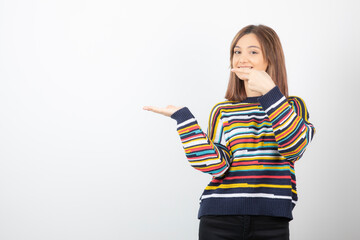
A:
x,y
244,77
241,70
153,109
147,108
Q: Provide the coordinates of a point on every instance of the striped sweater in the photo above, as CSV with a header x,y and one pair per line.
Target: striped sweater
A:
x,y
249,149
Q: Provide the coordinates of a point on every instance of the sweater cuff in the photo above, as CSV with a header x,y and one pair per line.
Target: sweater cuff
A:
x,y
182,115
271,97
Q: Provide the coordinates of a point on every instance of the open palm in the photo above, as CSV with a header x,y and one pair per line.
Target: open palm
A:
x,y
166,111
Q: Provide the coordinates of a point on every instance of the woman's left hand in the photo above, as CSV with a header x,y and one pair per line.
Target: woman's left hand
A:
x,y
258,81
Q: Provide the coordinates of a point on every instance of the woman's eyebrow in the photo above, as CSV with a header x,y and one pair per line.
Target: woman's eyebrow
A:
x,y
248,47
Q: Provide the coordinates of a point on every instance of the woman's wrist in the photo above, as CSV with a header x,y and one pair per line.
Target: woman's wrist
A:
x,y
268,89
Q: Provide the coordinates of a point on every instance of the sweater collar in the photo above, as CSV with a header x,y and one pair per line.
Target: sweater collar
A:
x,y
251,100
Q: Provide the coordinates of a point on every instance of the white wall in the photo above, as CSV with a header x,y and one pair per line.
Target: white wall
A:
x,y
80,159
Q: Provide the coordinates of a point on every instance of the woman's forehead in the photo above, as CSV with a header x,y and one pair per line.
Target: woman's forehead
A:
x,y
248,41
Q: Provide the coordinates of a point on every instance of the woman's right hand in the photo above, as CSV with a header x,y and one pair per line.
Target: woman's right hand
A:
x,y
167,111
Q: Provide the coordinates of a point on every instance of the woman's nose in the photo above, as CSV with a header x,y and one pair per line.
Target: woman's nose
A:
x,y
243,58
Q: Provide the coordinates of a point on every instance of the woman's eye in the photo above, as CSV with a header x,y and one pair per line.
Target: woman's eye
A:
x,y
253,52
237,52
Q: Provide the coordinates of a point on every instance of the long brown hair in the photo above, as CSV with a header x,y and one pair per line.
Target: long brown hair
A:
x,y
273,54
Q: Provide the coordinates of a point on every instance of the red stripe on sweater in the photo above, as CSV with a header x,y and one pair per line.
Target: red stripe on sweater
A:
x,y
281,120
192,136
251,177
276,113
293,139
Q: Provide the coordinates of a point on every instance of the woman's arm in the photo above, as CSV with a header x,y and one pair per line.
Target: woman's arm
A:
x,y
290,122
207,153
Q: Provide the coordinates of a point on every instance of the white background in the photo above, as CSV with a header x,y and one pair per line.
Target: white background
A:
x,y
80,159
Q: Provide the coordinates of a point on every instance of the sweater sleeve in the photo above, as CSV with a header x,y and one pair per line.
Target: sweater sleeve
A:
x,y
290,122
206,153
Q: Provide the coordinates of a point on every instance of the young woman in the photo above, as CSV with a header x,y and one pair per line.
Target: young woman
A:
x,y
251,145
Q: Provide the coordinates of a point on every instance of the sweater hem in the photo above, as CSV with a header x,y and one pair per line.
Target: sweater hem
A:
x,y
246,206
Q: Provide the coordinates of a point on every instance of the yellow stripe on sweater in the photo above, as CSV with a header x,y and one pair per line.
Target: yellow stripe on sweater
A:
x,y
245,185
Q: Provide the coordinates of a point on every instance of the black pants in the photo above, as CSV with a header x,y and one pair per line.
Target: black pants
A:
x,y
243,228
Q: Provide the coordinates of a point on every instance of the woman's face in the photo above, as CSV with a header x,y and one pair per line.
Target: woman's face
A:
x,y
248,53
